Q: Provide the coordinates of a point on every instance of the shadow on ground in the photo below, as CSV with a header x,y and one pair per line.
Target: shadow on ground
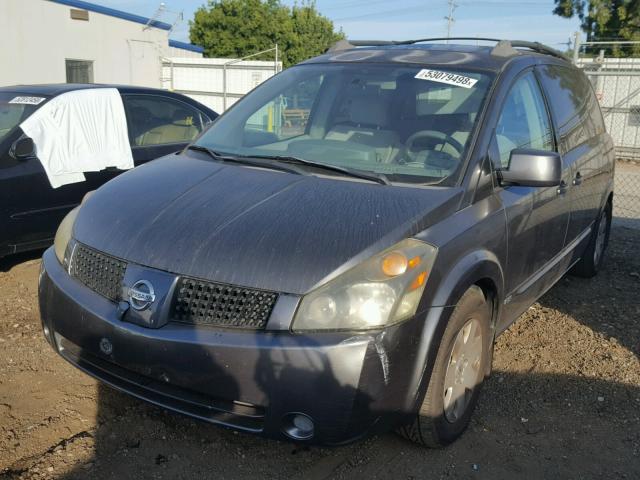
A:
x,y
609,303
527,425
7,263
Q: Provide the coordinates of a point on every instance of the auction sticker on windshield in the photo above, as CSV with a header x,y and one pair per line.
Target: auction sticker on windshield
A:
x,y
27,100
446,77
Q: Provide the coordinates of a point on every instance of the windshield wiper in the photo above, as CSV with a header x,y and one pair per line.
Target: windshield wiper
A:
x,y
378,178
245,160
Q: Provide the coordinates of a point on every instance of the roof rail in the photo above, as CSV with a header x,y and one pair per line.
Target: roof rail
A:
x,y
503,48
536,47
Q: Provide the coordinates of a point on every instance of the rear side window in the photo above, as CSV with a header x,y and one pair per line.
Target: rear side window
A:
x,y
157,120
573,105
524,122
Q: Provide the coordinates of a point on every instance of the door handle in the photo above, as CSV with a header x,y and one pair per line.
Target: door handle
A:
x,y
578,179
562,188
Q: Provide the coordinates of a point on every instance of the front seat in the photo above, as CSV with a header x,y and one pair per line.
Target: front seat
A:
x,y
368,119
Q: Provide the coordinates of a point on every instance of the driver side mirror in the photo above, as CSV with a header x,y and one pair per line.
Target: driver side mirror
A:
x,y
23,149
532,168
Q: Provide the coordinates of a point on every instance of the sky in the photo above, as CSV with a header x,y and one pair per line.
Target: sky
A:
x,y
404,19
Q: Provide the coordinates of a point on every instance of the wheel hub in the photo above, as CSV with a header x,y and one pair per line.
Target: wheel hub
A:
x,y
463,370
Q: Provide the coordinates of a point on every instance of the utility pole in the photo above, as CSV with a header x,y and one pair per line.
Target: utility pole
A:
x,y
576,47
449,18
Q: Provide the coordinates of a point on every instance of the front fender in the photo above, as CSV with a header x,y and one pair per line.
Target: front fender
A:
x,y
472,248
476,267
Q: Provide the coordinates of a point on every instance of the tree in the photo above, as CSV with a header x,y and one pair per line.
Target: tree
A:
x,y
237,28
605,19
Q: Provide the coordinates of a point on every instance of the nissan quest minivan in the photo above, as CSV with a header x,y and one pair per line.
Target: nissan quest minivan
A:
x,y
336,254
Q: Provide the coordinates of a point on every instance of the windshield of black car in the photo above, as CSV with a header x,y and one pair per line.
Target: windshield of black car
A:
x,y
409,123
14,109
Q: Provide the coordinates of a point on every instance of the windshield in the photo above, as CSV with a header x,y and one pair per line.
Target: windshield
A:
x,y
14,108
409,124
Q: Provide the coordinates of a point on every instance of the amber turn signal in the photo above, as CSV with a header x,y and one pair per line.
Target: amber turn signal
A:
x,y
419,281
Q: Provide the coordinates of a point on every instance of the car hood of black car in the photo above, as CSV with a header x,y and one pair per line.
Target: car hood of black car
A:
x,y
249,226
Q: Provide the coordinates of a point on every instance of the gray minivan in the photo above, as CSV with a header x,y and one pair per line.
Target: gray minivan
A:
x,y
336,254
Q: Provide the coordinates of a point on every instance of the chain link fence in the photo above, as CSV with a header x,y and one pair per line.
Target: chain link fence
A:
x,y
616,82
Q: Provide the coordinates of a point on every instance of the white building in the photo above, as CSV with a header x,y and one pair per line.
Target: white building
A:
x,y
58,41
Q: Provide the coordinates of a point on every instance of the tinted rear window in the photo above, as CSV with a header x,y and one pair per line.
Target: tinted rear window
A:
x,y
573,104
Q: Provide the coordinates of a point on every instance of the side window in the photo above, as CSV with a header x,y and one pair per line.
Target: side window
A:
x,y
524,122
158,120
286,115
572,104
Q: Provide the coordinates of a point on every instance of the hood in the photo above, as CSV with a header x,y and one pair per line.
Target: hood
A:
x,y
251,227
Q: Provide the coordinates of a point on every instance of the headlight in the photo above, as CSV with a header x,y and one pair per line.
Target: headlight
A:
x,y
63,235
381,291
65,230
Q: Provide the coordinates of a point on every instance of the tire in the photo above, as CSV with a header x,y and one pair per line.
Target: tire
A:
x,y
436,424
593,256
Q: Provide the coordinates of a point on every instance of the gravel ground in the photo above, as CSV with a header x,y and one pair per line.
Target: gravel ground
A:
x,y
563,401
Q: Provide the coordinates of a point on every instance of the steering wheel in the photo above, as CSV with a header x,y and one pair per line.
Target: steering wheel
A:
x,y
433,135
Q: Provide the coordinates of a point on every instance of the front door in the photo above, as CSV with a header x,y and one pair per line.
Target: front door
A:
x,y
30,210
159,125
537,217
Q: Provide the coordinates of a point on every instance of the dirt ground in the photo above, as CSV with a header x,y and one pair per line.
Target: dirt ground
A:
x,y
563,402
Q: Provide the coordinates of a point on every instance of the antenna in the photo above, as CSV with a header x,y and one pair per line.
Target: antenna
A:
x,y
156,16
161,13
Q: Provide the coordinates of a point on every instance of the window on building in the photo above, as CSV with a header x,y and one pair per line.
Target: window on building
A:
x,y
79,71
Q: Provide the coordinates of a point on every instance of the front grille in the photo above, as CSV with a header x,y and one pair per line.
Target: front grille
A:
x,y
101,273
218,304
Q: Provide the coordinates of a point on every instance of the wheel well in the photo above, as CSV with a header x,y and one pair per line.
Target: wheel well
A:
x,y
490,292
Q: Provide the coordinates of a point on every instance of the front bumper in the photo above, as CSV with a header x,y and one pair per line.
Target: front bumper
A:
x,y
347,384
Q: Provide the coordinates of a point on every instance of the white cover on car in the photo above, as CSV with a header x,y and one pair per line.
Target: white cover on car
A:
x,y
80,131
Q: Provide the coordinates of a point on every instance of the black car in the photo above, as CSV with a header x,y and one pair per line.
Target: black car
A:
x,y
336,254
158,122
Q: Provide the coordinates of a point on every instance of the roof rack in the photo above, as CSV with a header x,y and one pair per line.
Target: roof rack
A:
x,y
503,48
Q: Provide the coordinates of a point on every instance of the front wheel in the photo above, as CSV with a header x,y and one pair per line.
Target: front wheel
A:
x,y
591,261
458,373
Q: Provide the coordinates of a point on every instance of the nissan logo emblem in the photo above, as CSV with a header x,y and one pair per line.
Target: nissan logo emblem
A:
x,y
141,295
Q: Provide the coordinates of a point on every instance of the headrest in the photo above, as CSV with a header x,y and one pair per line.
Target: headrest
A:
x,y
183,118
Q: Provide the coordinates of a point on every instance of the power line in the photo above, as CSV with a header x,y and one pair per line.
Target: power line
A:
x,y
386,13
416,9
353,4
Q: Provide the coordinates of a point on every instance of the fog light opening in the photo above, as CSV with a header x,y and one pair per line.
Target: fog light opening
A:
x,y
297,426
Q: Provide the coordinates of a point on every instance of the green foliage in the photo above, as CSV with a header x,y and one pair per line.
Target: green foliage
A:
x,y
605,20
236,28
